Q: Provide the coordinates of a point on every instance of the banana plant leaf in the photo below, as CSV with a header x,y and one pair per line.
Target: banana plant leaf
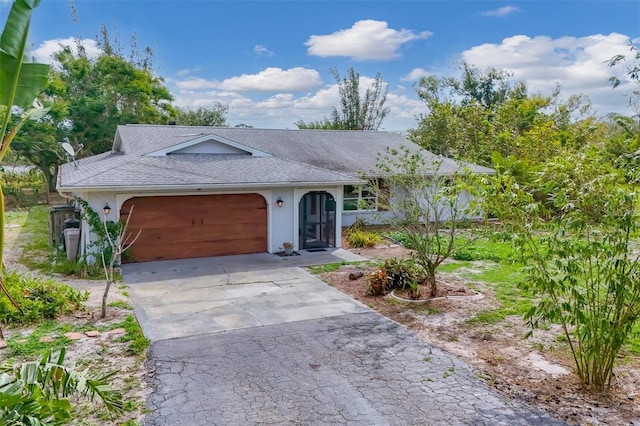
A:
x,y
20,79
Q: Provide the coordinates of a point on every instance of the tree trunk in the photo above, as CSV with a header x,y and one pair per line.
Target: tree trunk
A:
x,y
431,283
104,297
49,177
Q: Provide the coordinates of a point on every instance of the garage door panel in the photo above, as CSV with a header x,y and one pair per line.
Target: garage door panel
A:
x,y
178,227
225,232
220,219
146,253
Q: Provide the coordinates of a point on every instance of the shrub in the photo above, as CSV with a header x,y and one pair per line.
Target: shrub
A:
x,y
400,273
392,274
582,263
39,299
80,268
400,237
357,225
41,392
359,238
378,281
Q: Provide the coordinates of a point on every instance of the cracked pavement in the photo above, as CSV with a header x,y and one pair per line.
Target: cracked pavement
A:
x,y
242,340
355,369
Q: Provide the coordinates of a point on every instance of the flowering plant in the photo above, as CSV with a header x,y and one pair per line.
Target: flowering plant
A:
x,y
378,282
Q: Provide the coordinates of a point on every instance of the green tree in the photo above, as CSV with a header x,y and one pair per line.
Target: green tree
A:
x,y
578,245
632,64
20,83
109,91
489,88
215,116
39,141
483,112
622,146
431,208
357,111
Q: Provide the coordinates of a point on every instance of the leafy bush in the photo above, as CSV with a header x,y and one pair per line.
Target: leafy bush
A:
x,y
400,237
392,274
400,273
80,268
378,281
357,224
582,265
38,392
359,238
39,299
105,231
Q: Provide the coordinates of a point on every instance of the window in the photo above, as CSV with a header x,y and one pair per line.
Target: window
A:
x,y
360,199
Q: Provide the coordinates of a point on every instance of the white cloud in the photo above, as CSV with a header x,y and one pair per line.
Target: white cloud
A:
x,y
296,79
187,71
282,110
261,50
365,40
578,64
197,83
415,74
45,51
281,100
501,11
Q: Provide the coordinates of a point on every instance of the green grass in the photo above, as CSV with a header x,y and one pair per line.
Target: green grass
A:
x,y
454,266
470,245
483,248
503,279
37,252
31,347
329,267
121,304
634,340
497,270
133,334
16,217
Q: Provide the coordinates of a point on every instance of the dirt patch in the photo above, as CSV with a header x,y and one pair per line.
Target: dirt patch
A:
x,y
103,352
537,370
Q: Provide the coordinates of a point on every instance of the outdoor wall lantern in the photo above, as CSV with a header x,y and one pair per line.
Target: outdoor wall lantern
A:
x,y
106,209
280,203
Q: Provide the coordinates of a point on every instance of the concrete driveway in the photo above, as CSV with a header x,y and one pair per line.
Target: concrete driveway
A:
x,y
238,341
190,297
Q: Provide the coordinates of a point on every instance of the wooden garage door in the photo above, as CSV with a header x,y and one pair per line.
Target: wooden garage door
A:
x,y
181,227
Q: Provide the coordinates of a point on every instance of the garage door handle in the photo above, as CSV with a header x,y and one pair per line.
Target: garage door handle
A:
x,y
193,221
201,221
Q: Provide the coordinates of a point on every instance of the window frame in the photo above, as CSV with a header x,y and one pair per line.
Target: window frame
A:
x,y
360,199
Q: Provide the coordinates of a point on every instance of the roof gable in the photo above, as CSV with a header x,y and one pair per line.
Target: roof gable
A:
x,y
208,144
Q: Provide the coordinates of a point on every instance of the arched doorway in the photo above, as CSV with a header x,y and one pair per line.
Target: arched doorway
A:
x,y
317,214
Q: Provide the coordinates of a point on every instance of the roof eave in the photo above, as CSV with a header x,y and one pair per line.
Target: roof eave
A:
x,y
230,186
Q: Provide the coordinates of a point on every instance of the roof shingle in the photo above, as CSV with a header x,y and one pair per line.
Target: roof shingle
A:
x,y
298,156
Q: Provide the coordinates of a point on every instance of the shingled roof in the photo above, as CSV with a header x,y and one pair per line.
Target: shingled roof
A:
x,y
146,157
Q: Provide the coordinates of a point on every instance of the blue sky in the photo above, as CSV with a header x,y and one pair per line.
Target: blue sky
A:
x,y
270,60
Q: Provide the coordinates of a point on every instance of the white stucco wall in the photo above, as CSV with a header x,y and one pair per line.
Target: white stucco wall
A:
x,y
282,228
372,218
282,222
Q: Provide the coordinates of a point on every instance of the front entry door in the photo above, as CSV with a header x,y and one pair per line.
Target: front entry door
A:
x,y
317,220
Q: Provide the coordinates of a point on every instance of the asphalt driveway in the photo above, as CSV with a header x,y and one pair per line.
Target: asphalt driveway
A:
x,y
278,346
